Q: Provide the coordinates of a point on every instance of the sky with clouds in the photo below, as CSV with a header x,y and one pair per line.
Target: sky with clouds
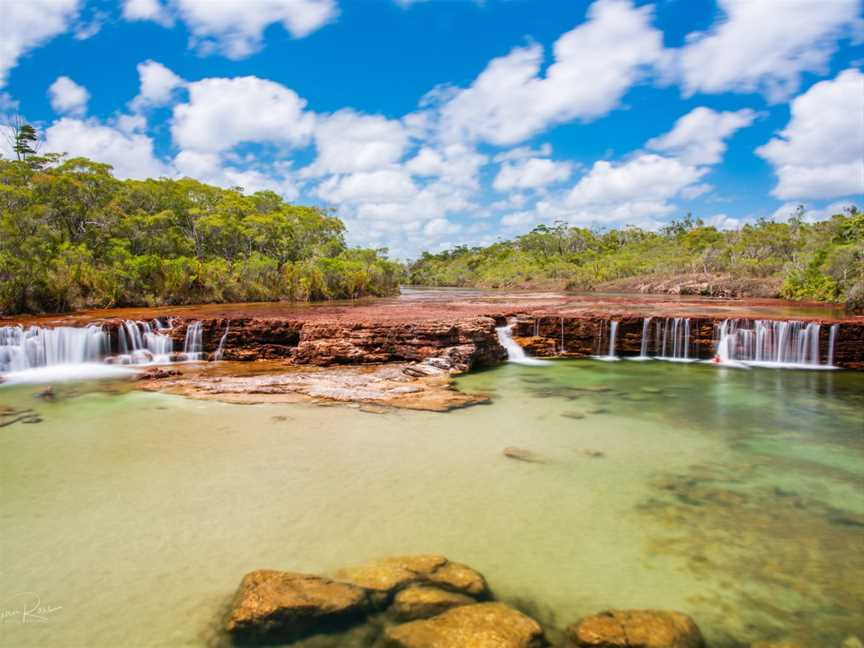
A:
x,y
426,124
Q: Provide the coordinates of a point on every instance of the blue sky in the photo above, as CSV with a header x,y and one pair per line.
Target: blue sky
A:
x,y
429,124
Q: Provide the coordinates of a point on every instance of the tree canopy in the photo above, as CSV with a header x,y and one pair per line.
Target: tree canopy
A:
x,y
74,236
809,261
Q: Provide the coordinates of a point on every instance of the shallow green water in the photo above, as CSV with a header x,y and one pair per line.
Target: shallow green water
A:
x,y
733,495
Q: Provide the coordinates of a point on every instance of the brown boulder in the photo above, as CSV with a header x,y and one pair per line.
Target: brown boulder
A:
x,y
636,629
423,601
484,625
384,577
289,604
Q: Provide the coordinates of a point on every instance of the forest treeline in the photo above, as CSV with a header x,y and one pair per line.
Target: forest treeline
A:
x,y
821,261
73,236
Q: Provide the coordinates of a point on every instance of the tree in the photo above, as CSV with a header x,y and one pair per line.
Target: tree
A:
x,y
22,137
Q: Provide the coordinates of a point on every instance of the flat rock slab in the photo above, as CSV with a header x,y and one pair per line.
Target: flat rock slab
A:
x,y
484,625
288,604
423,601
636,629
385,577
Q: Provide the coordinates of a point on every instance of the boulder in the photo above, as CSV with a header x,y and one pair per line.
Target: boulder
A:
x,y
483,625
287,604
383,578
636,629
424,601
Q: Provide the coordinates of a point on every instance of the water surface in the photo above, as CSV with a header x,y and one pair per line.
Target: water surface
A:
x,y
732,495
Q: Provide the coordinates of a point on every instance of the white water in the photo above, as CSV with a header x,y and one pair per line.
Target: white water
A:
x,y
675,340
23,349
138,343
193,347
643,349
218,354
770,343
516,353
832,338
598,345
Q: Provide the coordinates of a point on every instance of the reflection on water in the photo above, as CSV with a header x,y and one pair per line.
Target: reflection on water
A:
x,y
734,496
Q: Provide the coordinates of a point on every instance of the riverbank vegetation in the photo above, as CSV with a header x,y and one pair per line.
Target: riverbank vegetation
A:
x,y
821,261
73,236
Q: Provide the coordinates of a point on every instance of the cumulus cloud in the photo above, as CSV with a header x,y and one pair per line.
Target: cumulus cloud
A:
x,y
368,187
28,24
348,141
765,45
699,136
594,65
67,97
222,113
235,27
212,169
130,154
158,84
150,10
820,153
457,164
531,173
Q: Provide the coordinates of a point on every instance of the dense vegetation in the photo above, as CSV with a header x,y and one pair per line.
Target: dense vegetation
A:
x,y
819,261
73,236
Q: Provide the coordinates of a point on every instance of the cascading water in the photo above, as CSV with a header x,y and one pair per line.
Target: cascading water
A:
x,y
138,343
218,354
35,346
613,335
772,343
832,338
675,340
193,346
643,348
515,353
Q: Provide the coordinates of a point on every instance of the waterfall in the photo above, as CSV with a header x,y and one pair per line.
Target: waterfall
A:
x,y
218,354
35,346
138,343
832,338
561,350
193,346
613,335
646,329
515,353
771,343
676,339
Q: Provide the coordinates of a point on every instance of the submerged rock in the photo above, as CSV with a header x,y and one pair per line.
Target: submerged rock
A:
x,y
423,601
288,605
573,414
521,454
484,625
636,629
383,578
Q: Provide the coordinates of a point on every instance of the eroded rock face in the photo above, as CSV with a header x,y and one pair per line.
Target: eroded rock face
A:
x,y
484,625
383,578
636,629
423,601
288,604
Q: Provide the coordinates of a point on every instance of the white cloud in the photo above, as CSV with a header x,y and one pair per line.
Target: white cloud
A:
x,y
67,97
440,227
699,136
157,85
210,168
457,164
131,155
522,152
222,113
646,178
820,153
348,141
26,24
235,27
368,187
595,64
765,45
531,173
812,214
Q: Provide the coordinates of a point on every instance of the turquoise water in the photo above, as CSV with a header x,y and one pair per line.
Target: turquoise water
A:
x,y
733,495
